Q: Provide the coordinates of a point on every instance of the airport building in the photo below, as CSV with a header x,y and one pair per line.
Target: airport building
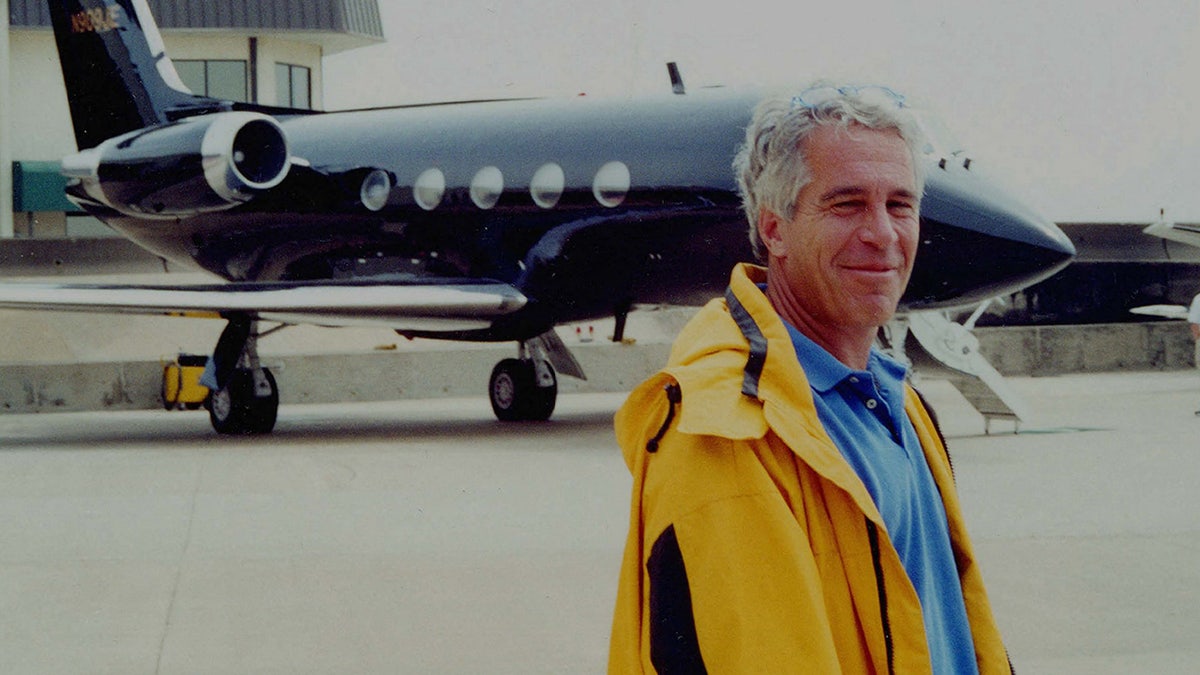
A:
x,y
259,51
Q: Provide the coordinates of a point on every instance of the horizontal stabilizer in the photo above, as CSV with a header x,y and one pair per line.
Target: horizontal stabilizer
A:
x,y
450,304
1164,311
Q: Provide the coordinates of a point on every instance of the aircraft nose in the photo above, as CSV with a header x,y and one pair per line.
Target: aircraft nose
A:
x,y
978,242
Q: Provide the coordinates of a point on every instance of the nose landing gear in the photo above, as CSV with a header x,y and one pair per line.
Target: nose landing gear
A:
x,y
525,389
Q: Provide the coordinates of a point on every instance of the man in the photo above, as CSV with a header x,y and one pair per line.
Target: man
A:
x,y
793,505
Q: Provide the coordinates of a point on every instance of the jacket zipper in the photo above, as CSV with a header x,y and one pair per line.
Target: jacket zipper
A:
x,y
876,560
937,427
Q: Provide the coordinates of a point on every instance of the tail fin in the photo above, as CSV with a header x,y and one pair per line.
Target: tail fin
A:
x,y
116,70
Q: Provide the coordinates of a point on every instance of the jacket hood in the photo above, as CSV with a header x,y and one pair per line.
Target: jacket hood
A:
x,y
726,393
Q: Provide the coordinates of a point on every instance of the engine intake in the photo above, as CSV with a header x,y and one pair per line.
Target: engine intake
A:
x,y
199,164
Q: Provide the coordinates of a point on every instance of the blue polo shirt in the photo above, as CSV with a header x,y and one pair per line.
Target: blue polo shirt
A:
x,y
863,411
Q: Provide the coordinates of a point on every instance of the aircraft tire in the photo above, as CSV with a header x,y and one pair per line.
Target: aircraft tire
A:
x,y
235,409
542,399
510,378
515,396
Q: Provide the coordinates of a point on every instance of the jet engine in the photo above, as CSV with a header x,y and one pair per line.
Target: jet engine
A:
x,y
198,164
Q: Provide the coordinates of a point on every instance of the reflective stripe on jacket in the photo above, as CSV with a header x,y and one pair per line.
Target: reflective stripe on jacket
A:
x,y
753,546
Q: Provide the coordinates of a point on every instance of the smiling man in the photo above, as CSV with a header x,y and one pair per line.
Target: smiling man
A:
x,y
793,505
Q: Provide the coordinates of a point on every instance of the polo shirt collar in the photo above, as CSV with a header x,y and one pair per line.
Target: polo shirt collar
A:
x,y
825,372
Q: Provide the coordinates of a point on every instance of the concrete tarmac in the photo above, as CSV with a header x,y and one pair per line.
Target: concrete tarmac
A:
x,y
424,537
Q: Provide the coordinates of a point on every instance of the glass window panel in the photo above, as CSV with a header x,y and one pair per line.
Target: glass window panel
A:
x,y
300,88
292,85
283,85
192,74
227,80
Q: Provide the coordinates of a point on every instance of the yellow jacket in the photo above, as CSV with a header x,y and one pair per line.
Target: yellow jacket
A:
x,y
768,554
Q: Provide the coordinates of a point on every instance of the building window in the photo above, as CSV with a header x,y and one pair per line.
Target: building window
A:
x,y
226,80
292,86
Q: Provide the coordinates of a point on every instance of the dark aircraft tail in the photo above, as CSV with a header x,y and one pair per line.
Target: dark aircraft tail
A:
x,y
116,70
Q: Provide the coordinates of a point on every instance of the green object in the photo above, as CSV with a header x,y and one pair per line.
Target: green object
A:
x,y
38,186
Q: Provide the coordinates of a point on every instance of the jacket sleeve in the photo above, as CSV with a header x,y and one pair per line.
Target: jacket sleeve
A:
x,y
727,581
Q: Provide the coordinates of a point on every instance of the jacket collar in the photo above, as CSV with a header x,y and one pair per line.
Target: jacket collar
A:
x,y
740,377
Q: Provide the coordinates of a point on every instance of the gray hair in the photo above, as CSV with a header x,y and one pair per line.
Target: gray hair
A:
x,y
771,166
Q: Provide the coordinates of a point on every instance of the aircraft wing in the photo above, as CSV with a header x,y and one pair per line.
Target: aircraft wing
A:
x,y
440,304
1184,234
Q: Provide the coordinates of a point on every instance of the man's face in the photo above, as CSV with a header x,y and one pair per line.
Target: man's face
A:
x,y
847,255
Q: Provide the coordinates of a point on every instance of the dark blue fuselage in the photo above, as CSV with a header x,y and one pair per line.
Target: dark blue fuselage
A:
x,y
586,206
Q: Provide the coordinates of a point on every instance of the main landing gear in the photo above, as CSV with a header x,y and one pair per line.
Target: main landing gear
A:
x,y
525,389
244,398
247,404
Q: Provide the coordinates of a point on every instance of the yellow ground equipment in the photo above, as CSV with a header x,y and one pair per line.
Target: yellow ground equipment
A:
x,y
181,386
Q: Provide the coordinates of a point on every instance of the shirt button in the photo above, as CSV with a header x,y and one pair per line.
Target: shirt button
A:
x,y
853,379
871,403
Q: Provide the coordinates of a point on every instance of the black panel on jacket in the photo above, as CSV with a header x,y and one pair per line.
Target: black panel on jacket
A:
x,y
674,647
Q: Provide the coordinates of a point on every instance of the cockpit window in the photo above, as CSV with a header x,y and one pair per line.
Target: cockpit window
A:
x,y
939,140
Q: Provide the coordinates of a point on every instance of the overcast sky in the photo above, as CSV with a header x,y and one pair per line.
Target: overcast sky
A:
x,y
1086,109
